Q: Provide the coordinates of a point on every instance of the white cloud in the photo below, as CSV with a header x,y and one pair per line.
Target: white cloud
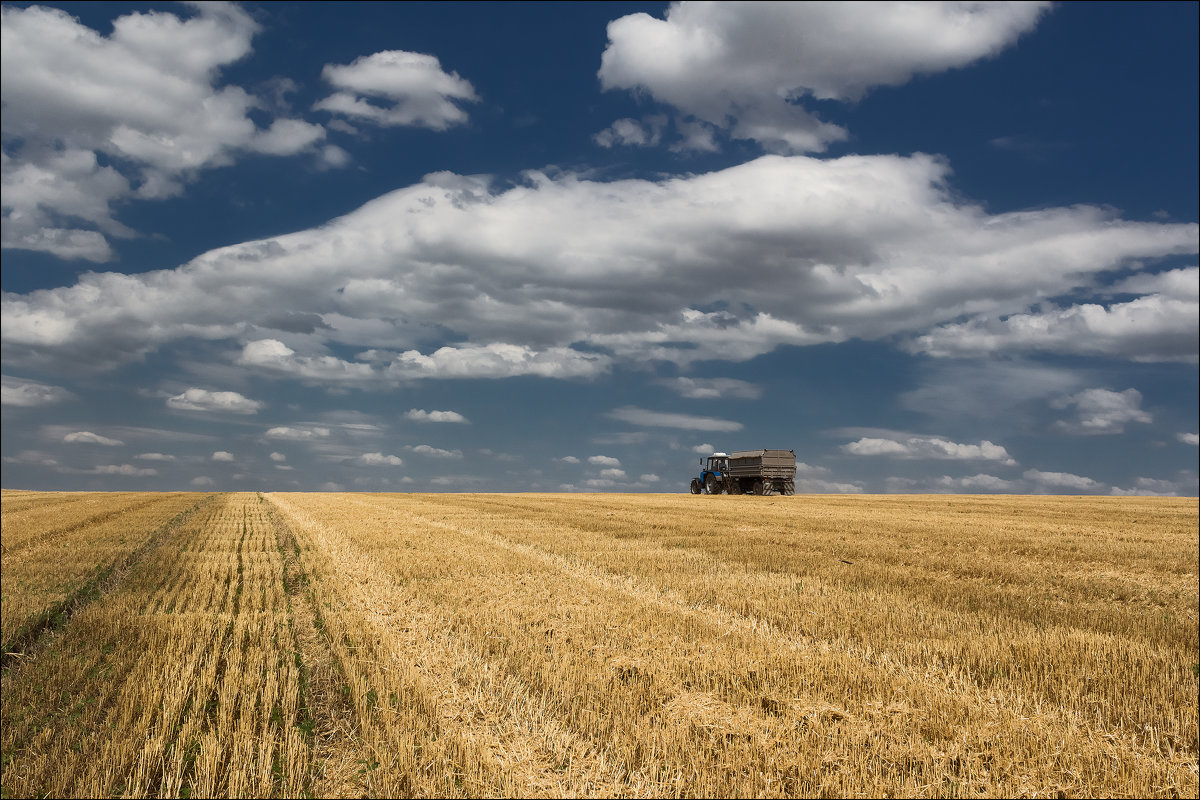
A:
x,y
278,457
202,481
421,415
1161,326
564,276
1150,487
143,99
1062,480
155,457
222,455
666,419
820,486
743,66
435,452
1188,438
714,388
632,133
933,447
414,87
27,394
298,434
380,460
127,470
979,483
569,460
604,461
649,477
1102,411
204,400
705,449
613,474
87,437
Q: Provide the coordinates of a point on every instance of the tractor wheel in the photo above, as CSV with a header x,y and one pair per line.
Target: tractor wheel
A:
x,y
758,488
789,488
695,486
712,485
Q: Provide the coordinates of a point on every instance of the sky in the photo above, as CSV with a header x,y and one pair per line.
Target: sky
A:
x,y
930,247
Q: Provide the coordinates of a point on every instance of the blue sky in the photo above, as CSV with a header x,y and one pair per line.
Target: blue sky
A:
x,y
572,247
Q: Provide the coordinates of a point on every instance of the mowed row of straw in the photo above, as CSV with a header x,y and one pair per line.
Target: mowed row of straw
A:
x,y
551,645
654,645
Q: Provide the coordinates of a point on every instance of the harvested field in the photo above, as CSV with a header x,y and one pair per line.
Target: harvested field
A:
x,y
637,645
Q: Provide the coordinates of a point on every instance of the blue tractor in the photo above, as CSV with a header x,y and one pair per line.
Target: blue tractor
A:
x,y
712,475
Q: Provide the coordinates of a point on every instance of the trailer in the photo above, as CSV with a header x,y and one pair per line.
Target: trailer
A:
x,y
758,472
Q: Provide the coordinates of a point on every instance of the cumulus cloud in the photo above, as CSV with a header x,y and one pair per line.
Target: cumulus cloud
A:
x,y
380,460
1062,480
613,474
87,437
604,461
127,470
298,434
94,120
1150,487
983,483
1102,411
632,133
27,394
705,449
668,419
155,457
413,87
648,477
435,452
714,388
569,460
562,277
277,457
202,482
204,400
222,455
1161,326
421,415
747,68
932,447
1188,438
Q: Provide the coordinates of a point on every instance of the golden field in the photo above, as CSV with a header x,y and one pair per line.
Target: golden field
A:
x,y
598,645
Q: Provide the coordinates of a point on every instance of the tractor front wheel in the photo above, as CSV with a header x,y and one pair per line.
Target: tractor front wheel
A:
x,y
712,485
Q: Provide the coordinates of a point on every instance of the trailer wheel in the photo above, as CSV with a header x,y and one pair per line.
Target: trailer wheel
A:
x,y
758,488
789,488
695,486
713,486
734,487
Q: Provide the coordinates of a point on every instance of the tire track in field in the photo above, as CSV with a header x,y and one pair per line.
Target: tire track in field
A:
x,y
136,505
24,643
325,718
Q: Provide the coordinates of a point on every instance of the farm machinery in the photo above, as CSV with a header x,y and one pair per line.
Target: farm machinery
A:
x,y
747,472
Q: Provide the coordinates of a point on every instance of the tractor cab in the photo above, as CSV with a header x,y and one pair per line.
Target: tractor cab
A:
x,y
716,463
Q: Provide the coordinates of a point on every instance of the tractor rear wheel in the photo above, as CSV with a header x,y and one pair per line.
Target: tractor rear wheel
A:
x,y
695,486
